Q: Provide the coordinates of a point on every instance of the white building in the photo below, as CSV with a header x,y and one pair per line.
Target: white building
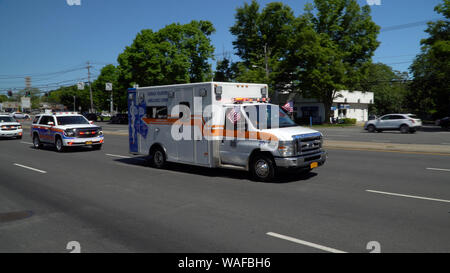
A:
x,y
347,104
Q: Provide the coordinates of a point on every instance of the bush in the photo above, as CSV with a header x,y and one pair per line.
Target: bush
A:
x,y
348,120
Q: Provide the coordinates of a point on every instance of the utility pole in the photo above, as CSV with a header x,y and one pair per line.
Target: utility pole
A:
x,y
90,88
109,87
266,61
74,104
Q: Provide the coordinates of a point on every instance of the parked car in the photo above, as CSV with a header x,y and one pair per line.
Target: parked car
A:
x,y
93,117
119,119
372,117
444,123
20,115
406,123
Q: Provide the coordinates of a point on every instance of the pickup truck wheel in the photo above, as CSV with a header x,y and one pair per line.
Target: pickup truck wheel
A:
x,y
36,142
59,145
158,158
97,147
404,129
371,129
262,168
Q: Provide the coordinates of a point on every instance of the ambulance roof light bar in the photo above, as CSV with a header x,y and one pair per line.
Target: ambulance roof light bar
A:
x,y
241,100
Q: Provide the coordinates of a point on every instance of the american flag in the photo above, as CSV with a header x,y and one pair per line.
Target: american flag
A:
x,y
234,115
289,106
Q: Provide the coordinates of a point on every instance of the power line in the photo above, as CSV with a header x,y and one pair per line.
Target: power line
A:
x,y
408,25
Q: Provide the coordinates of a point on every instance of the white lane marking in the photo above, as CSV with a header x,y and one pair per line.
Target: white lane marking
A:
x,y
298,241
29,168
437,169
410,196
123,156
24,142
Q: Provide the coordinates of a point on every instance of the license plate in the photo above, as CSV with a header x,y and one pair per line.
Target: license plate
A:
x,y
314,165
88,142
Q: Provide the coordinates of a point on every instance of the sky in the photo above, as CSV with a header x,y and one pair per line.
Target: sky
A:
x,y
52,40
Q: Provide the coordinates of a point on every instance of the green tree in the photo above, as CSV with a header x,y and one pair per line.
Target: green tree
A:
x,y
390,89
430,90
108,74
224,72
331,50
3,98
175,54
261,41
64,95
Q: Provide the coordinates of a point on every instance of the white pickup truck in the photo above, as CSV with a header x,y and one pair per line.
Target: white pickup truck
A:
x,y
9,127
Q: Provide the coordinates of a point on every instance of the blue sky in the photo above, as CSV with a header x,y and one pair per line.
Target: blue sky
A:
x,y
39,37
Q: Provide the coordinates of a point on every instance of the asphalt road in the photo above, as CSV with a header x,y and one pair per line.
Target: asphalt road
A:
x,y
109,201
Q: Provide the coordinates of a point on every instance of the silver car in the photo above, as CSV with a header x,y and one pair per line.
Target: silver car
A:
x,y
406,123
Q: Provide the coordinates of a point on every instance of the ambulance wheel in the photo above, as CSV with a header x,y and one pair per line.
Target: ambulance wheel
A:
x,y
59,145
158,157
36,142
262,168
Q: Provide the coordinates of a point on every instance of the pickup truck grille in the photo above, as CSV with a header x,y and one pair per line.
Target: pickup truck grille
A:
x,y
8,127
308,144
87,132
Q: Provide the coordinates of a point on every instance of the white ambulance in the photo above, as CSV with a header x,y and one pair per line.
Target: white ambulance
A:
x,y
216,124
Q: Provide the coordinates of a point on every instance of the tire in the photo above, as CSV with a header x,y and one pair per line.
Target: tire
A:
x,y
19,137
262,168
97,147
36,142
371,128
158,158
59,145
404,129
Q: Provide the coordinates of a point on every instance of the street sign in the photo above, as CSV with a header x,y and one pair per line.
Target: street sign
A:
x,y
80,85
26,102
108,86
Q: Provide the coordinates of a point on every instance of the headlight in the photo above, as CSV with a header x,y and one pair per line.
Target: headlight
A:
x,y
69,132
286,148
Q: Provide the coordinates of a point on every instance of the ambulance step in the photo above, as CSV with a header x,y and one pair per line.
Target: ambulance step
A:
x,y
233,167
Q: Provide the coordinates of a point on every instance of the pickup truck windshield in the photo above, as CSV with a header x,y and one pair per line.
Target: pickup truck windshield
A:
x,y
72,120
7,119
263,116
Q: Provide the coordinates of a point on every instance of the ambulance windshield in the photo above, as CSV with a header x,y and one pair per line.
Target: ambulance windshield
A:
x,y
266,116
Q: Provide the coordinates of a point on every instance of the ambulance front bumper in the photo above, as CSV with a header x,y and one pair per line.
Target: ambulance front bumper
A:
x,y
83,141
11,133
301,161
